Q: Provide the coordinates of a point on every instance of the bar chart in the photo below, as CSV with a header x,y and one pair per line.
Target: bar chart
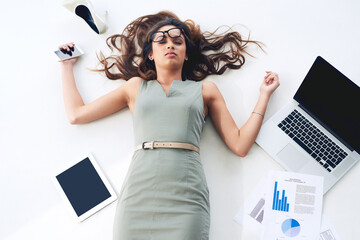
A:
x,y
280,203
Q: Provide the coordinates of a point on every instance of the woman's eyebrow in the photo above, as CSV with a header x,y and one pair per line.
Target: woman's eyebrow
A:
x,y
180,37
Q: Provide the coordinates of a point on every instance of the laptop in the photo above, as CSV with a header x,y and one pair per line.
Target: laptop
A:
x,y
318,131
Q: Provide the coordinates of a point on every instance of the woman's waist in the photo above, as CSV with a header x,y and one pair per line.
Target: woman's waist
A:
x,y
166,133
166,145
158,141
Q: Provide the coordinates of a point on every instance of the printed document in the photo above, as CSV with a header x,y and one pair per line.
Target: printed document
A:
x,y
293,206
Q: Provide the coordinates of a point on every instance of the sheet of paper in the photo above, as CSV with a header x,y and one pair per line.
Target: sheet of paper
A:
x,y
328,231
252,213
293,206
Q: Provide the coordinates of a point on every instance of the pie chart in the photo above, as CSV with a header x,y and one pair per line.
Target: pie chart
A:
x,y
290,227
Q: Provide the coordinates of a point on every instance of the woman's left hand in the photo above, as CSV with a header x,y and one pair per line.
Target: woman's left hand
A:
x,y
270,83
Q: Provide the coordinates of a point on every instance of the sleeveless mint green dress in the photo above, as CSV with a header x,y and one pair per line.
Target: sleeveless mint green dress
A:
x,y
165,194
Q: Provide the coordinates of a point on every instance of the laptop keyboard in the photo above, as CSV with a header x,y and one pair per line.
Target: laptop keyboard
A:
x,y
312,140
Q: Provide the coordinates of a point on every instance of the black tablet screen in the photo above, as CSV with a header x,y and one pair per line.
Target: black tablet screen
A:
x,y
83,186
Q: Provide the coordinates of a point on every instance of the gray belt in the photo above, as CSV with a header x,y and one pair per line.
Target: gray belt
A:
x,y
153,144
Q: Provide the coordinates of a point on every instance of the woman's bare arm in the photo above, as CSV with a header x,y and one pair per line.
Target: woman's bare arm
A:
x,y
78,112
238,140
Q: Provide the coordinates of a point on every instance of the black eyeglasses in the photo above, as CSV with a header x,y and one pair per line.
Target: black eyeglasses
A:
x,y
160,35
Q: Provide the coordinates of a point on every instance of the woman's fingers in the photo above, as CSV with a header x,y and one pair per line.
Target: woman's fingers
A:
x,y
67,46
270,83
270,76
64,47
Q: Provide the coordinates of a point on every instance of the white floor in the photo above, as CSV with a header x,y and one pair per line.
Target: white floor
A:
x,y
36,140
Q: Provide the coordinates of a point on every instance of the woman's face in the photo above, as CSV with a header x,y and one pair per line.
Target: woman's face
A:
x,y
168,52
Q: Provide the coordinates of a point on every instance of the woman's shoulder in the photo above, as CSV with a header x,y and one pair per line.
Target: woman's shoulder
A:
x,y
206,85
210,92
209,88
134,81
209,85
132,85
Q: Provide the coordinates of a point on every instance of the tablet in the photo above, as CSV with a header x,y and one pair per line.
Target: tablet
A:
x,y
84,187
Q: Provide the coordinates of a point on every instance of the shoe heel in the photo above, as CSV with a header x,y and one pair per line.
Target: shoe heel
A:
x,y
84,9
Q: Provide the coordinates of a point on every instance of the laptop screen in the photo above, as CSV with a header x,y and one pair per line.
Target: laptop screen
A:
x,y
333,100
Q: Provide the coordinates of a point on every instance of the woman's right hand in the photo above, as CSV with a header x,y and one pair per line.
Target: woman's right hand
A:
x,y
66,47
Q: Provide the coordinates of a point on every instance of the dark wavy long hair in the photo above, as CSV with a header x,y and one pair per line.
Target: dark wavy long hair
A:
x,y
208,53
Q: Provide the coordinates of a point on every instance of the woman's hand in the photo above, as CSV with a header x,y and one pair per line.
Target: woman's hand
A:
x,y
67,47
270,83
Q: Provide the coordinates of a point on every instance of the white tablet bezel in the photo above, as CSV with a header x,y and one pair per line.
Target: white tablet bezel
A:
x,y
98,207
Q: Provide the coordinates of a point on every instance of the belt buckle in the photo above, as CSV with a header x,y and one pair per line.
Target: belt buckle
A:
x,y
148,147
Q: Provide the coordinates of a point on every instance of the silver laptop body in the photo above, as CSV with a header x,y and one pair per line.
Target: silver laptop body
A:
x,y
318,132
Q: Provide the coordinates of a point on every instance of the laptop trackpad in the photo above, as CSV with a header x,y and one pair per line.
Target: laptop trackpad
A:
x,y
292,158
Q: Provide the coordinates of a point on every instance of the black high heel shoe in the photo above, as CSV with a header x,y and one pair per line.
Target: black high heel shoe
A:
x,y
84,9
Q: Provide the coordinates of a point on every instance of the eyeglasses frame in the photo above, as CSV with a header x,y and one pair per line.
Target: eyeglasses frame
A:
x,y
167,31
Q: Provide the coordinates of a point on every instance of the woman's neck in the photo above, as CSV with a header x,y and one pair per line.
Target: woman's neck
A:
x,y
167,77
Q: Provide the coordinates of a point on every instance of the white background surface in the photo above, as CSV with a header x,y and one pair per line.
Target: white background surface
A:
x,y
36,140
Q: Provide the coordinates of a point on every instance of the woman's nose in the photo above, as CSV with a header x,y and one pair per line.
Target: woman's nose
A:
x,y
170,45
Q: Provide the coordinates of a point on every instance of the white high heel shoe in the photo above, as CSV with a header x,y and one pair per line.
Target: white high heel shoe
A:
x,y
84,9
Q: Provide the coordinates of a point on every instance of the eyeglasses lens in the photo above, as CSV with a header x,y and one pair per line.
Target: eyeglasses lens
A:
x,y
159,36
